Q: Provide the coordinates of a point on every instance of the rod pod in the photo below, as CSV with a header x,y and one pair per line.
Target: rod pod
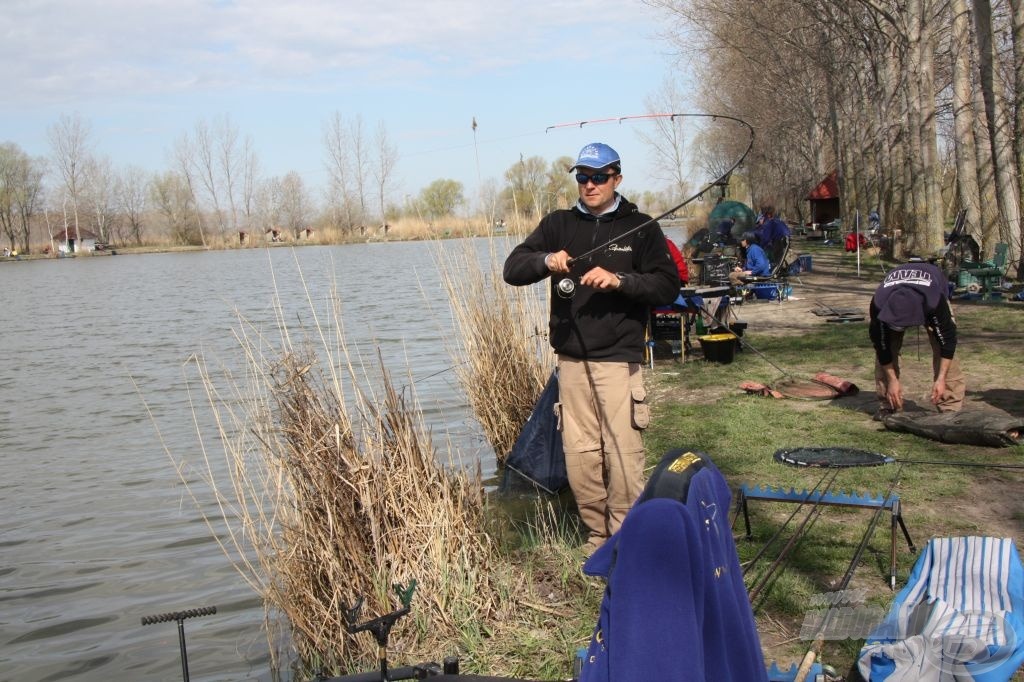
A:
x,y
180,617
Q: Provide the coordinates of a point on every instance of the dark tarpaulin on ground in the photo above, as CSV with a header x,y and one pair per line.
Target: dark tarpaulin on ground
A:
x,y
537,454
993,429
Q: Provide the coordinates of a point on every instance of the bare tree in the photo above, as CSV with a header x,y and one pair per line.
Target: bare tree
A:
x,y
11,160
165,191
222,165
1017,41
99,195
69,140
132,198
338,169
360,162
21,188
175,202
295,207
386,159
668,140
999,132
526,181
963,113
347,166
559,186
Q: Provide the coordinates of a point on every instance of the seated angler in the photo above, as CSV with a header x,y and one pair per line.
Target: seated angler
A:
x,y
772,230
756,264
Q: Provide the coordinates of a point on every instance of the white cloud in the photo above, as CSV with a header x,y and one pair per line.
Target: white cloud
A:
x,y
65,48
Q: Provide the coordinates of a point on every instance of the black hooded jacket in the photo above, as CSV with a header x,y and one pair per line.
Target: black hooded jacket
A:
x,y
597,325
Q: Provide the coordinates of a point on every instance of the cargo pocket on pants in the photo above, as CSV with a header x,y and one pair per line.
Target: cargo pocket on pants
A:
x,y
640,411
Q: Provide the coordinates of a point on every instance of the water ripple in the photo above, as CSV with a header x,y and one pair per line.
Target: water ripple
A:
x,y
101,527
60,629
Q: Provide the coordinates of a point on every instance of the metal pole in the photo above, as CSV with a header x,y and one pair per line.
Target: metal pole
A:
x,y
856,229
180,616
184,655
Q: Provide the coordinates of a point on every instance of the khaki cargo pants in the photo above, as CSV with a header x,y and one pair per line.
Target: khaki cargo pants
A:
x,y
602,411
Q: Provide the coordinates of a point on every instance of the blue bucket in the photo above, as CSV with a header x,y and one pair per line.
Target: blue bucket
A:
x,y
805,261
768,292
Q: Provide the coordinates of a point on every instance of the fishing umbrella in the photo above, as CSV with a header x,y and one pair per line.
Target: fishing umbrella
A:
x,y
737,210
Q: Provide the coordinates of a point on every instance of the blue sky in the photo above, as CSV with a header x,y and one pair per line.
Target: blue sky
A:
x,y
144,72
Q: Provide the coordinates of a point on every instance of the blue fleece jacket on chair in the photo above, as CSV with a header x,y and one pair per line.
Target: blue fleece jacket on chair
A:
x,y
675,607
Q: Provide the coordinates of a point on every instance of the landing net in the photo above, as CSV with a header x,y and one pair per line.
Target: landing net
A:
x,y
833,457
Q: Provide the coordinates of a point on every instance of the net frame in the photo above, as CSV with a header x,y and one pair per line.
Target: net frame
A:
x,y
831,457
800,388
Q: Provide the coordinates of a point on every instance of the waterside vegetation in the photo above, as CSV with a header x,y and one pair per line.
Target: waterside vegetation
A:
x,y
337,492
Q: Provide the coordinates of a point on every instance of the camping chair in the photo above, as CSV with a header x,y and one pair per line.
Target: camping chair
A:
x,y
780,272
987,275
666,325
958,618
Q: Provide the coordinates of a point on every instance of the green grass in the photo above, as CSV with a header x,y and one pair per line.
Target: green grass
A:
x,y
699,405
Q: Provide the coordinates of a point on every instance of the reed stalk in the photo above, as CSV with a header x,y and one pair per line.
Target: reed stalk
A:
x,y
500,346
331,491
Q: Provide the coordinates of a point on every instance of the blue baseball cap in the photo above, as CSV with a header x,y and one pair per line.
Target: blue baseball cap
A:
x,y
597,155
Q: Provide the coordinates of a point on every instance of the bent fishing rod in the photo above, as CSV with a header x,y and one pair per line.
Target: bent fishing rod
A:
x,y
717,181
712,320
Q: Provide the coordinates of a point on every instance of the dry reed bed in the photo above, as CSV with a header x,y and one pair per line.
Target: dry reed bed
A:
x,y
500,344
332,491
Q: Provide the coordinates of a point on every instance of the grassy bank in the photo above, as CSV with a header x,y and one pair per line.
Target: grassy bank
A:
x,y
356,491
700,405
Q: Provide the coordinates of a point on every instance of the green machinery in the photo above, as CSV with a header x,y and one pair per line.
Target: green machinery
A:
x,y
963,265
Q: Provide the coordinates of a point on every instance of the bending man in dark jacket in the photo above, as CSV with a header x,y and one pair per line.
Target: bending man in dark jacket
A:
x,y
599,311
913,294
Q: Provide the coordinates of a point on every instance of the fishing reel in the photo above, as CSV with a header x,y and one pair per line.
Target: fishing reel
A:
x,y
566,288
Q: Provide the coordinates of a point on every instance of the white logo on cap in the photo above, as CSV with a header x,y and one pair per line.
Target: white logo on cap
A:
x,y
919,277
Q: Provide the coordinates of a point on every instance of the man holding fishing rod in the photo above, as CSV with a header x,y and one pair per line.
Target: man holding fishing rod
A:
x,y
608,264
915,293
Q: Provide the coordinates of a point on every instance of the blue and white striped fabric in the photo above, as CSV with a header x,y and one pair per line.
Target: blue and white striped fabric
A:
x,y
959,618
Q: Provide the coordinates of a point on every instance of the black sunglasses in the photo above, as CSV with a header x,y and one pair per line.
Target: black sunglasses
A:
x,y
596,178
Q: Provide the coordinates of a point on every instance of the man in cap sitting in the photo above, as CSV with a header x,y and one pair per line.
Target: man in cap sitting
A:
x,y
605,277
915,293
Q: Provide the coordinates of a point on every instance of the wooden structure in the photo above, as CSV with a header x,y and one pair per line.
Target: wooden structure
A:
x,y
824,200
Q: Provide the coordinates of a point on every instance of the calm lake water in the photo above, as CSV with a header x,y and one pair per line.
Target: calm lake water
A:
x,y
97,531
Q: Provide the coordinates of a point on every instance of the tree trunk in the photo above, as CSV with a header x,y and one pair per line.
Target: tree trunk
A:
x,y
963,115
932,237
999,132
1017,24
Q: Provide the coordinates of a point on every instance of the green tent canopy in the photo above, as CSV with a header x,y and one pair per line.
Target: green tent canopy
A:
x,y
732,209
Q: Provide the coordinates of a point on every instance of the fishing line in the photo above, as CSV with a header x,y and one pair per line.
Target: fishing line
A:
x,y
717,181
441,371
778,533
814,652
745,344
